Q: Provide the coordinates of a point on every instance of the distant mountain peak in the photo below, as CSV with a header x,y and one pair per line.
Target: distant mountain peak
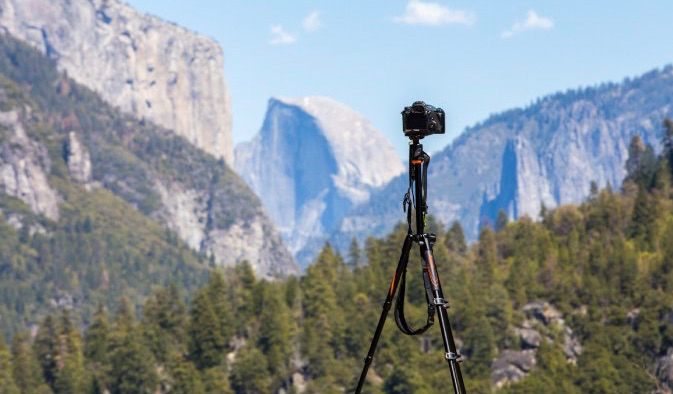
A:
x,y
312,161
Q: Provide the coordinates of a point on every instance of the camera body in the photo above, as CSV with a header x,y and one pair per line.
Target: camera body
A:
x,y
421,119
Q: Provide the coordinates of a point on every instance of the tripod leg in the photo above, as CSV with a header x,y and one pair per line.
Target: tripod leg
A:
x,y
401,266
450,351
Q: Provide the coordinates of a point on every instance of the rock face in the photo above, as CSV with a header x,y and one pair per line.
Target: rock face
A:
x,y
541,320
547,153
78,159
24,166
65,133
512,365
145,66
664,370
312,161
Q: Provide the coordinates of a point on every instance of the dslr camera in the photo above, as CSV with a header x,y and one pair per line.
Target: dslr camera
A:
x,y
421,119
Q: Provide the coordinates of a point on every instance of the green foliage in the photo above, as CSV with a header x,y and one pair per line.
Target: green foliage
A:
x,y
606,264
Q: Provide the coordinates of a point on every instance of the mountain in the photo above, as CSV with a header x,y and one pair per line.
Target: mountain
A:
x,y
145,66
311,162
545,154
55,121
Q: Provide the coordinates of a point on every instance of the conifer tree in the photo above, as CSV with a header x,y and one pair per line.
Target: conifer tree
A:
x,y
185,377
216,381
7,384
97,347
501,220
220,300
71,377
250,373
27,370
132,365
487,258
321,314
274,333
455,239
46,347
206,345
354,254
165,322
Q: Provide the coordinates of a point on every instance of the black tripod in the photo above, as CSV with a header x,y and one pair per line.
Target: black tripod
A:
x,y
418,170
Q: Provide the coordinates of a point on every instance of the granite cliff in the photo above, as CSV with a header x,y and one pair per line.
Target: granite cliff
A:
x,y
158,173
147,67
313,160
546,154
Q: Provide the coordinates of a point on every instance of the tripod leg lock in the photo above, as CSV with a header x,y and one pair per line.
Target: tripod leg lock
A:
x,y
450,356
441,302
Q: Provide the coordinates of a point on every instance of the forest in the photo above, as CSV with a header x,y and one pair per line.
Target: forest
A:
x,y
605,265
106,300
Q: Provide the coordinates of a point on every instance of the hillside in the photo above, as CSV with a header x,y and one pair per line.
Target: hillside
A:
x,y
545,154
84,213
579,302
159,173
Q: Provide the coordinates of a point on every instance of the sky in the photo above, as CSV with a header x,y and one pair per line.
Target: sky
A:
x,y
471,58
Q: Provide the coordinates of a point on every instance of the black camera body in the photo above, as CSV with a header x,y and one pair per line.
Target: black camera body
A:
x,y
421,119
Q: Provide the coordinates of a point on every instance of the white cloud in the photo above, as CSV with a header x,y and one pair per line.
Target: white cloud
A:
x,y
533,21
419,12
280,37
312,22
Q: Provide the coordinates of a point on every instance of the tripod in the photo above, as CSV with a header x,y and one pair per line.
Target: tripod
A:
x,y
418,169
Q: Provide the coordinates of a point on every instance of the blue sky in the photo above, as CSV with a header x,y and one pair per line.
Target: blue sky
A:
x,y
472,58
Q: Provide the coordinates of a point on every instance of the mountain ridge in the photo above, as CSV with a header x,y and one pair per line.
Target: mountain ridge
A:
x,y
551,150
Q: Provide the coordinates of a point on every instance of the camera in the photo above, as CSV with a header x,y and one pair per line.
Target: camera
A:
x,y
421,119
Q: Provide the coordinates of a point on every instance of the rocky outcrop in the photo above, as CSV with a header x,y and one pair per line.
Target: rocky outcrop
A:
x,y
188,212
24,167
512,365
139,63
546,154
312,161
542,319
664,371
78,160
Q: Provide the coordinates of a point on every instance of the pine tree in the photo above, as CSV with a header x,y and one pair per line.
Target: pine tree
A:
x,y
219,297
71,377
27,370
185,377
487,258
633,162
321,314
216,381
501,220
206,345
667,140
47,348
97,347
165,318
643,219
132,365
455,239
274,334
354,254
250,374
7,384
